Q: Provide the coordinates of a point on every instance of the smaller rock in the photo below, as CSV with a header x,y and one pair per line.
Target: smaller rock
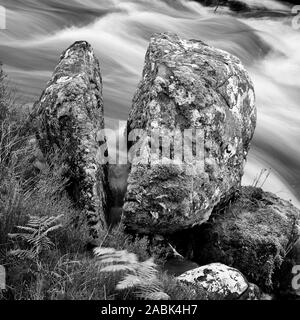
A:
x,y
253,235
252,293
220,281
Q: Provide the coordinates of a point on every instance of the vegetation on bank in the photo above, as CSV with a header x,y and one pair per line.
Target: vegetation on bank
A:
x,y
44,242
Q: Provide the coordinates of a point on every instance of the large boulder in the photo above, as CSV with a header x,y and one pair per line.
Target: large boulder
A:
x,y
187,86
253,234
220,282
70,114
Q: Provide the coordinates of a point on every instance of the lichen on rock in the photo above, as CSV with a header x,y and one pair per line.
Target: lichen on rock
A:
x,y
219,281
187,85
69,115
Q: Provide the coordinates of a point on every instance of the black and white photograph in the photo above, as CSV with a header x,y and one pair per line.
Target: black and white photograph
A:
x,y
149,151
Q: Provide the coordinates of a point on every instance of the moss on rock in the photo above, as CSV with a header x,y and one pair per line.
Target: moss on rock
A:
x,y
69,115
252,235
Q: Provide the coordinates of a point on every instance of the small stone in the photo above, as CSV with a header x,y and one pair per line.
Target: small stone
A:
x,y
218,280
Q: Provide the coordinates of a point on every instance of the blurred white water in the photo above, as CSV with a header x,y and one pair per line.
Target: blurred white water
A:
x,y
119,31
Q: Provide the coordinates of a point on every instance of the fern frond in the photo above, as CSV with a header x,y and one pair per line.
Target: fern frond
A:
x,y
142,276
26,228
23,254
116,268
34,222
129,281
36,235
53,228
20,236
49,221
101,251
160,295
117,259
111,256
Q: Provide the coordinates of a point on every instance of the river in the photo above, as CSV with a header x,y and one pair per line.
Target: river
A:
x,y
119,30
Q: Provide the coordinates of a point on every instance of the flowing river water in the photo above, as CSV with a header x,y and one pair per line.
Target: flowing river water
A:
x,y
119,31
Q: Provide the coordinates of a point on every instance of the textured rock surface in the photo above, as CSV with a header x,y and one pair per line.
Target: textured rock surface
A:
x,y
188,85
70,113
218,280
252,235
252,293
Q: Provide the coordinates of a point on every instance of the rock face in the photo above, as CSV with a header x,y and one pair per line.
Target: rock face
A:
x,y
252,293
252,235
186,85
219,281
69,114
